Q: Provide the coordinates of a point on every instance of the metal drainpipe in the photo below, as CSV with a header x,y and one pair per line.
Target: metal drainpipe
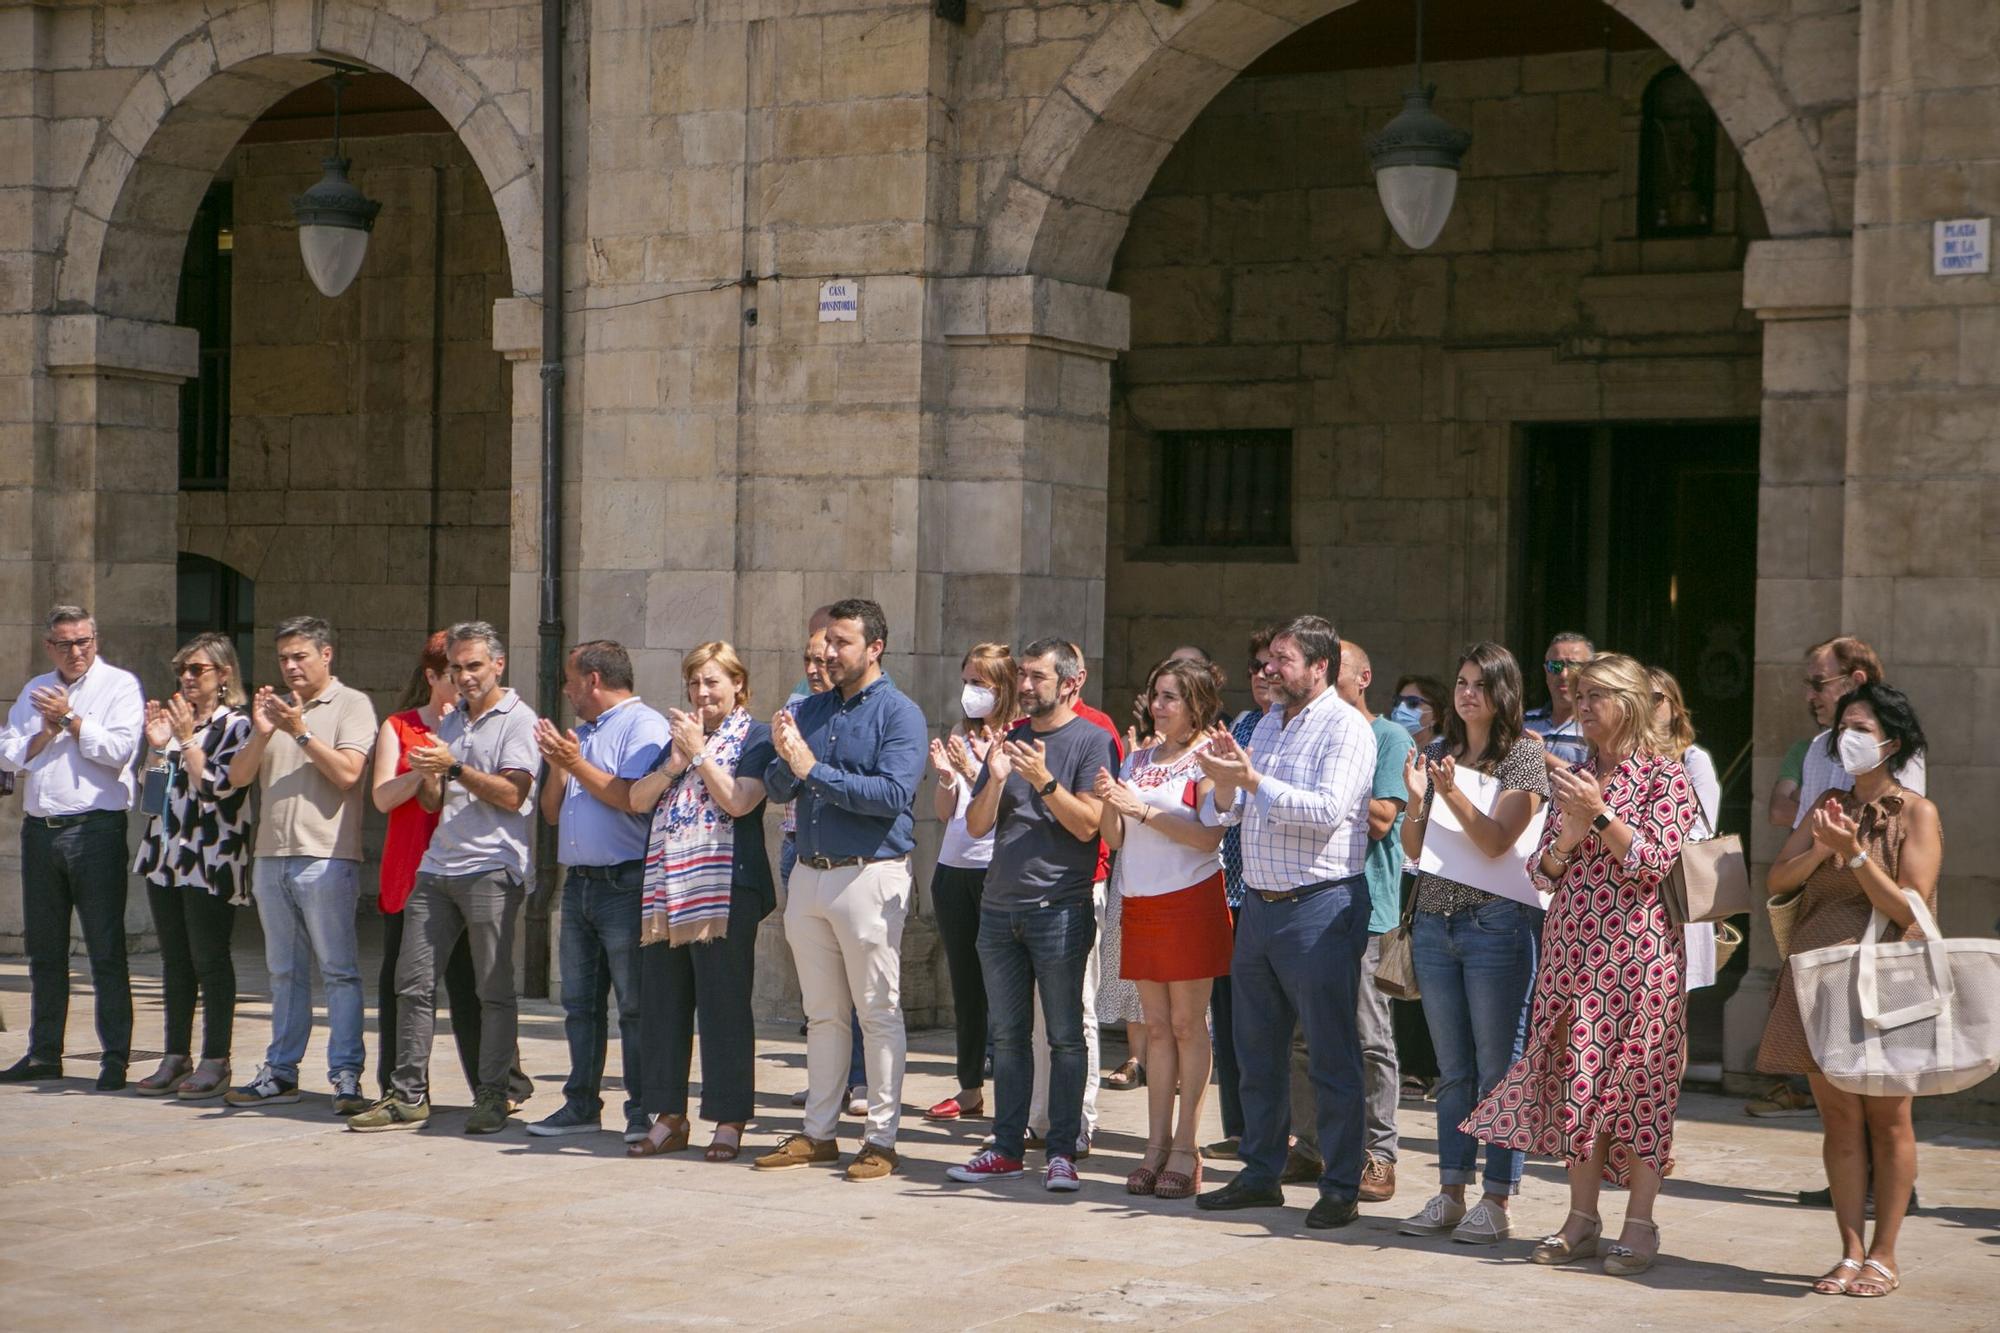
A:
x,y
548,684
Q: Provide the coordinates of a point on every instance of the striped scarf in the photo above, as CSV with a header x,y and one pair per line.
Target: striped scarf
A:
x,y
691,853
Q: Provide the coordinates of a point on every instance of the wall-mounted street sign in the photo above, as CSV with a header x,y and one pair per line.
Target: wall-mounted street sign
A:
x,y
839,301
1963,245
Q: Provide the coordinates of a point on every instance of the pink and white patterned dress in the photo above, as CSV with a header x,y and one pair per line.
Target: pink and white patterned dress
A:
x,y
1606,1038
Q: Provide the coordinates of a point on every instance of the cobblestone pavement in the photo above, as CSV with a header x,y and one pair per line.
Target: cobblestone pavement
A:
x,y
120,1211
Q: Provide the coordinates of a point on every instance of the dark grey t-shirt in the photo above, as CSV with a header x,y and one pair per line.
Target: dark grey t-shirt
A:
x,y
1035,858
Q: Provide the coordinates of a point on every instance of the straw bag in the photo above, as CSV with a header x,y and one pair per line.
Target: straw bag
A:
x,y
1916,1018
1710,880
1784,909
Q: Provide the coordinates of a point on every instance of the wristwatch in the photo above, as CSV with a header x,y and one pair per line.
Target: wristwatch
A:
x,y
1602,822
1858,860
1048,787
67,718
700,758
304,739
451,774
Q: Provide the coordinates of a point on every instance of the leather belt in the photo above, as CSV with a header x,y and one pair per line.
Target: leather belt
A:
x,y
843,862
71,821
1304,891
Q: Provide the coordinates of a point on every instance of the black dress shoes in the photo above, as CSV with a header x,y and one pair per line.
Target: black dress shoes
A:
x,y
1239,1193
27,1070
1330,1212
111,1077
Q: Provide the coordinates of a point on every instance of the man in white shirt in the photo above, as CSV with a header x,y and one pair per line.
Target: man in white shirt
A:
x,y
74,732
1834,670
1300,791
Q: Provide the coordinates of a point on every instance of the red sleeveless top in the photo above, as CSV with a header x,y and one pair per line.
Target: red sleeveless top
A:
x,y
410,825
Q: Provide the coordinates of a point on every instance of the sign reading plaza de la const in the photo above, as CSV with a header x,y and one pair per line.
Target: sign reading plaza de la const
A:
x,y
1963,245
839,302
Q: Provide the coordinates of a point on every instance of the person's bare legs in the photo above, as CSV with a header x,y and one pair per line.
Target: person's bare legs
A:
x,y
1586,1181
1159,1057
1893,1141
1641,1234
1844,1149
1187,1037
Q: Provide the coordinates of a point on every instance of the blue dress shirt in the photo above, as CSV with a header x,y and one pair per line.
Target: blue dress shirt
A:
x,y
626,741
870,753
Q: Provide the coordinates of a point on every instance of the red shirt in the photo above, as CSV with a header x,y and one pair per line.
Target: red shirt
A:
x,y
410,825
1103,720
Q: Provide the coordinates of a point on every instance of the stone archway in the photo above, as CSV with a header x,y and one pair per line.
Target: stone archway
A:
x,y
1098,139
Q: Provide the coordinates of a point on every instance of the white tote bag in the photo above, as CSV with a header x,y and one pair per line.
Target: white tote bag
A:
x,y
1915,1018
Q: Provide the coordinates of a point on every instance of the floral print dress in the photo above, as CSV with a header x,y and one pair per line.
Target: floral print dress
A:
x,y
1606,1036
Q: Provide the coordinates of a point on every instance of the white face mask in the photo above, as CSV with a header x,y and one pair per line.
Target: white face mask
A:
x,y
1859,752
977,701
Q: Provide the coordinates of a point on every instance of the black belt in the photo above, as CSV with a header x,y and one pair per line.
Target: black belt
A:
x,y
1304,891
611,872
71,821
842,862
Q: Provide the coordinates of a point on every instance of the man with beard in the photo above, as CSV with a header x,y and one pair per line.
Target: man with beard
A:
x,y
852,758
1300,792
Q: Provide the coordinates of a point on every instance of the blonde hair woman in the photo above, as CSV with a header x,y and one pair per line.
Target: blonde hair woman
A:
x,y
988,687
1599,1080
192,859
708,884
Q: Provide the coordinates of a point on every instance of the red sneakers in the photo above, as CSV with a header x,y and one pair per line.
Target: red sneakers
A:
x,y
1060,1178
990,1165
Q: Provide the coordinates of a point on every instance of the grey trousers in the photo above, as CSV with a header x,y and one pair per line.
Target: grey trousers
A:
x,y
1382,1076
484,907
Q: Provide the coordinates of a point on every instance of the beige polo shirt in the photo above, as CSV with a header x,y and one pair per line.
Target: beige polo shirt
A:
x,y
303,813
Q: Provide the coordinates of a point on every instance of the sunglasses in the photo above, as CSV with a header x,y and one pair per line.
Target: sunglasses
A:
x,y
1555,666
1413,701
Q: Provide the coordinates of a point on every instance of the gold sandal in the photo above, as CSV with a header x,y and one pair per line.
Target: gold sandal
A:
x,y
1887,1282
1623,1261
1832,1284
1556,1250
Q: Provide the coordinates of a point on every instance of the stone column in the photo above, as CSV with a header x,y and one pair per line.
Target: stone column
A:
x,y
1800,289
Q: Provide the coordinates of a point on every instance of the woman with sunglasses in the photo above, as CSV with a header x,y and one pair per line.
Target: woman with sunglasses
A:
x,y
1417,706
193,859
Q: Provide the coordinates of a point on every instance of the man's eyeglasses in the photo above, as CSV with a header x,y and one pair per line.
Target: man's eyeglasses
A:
x,y
1818,683
71,645
1555,666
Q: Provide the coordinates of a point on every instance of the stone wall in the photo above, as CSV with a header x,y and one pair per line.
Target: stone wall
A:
x,y
1268,292
329,507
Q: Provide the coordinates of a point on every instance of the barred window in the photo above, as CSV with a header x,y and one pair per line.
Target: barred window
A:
x,y
1677,137
1223,488
204,307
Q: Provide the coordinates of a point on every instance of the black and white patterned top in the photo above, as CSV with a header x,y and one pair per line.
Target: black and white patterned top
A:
x,y
202,841
1523,769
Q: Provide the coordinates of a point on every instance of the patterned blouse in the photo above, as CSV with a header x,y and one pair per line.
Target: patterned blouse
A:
x,y
202,840
1522,770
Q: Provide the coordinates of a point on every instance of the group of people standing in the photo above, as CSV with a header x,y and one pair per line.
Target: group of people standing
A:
x,y
1250,871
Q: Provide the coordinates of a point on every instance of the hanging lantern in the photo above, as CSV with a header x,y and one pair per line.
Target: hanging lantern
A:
x,y
334,216
1415,158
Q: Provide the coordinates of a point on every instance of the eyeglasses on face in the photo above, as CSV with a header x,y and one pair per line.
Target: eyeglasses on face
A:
x,y
71,645
1818,683
1413,700
195,669
1555,666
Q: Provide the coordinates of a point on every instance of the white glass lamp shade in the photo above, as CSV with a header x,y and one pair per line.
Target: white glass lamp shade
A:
x,y
1418,201
333,255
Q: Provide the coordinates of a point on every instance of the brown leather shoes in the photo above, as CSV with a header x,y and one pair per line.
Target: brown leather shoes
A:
x,y
1378,1180
796,1150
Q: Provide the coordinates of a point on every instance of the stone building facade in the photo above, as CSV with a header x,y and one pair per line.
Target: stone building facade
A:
x,y
1010,195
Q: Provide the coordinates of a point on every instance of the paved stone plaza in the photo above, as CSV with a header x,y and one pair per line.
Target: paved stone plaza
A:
x,y
121,1212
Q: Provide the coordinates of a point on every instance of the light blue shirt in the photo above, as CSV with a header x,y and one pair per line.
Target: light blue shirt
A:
x,y
626,740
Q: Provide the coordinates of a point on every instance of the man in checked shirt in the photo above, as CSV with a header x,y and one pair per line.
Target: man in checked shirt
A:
x,y
1300,792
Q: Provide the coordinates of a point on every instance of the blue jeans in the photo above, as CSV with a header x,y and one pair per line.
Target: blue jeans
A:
x,y
307,906
1022,951
857,1069
600,954
1298,963
1477,973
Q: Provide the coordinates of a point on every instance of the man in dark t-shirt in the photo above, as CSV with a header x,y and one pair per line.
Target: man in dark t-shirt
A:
x,y
1036,922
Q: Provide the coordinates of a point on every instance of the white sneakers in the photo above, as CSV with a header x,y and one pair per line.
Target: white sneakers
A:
x,y
1440,1215
1482,1224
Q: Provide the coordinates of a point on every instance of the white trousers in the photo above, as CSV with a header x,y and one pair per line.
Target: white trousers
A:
x,y
1038,1101
845,927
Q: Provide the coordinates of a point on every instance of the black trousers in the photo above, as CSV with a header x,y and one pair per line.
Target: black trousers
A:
x,y
955,892
79,868
711,980
460,992
195,926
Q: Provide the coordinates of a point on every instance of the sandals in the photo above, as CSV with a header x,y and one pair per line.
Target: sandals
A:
x,y
1557,1250
1179,1184
1833,1284
1623,1261
676,1140
960,1107
724,1150
162,1081
1127,1076
210,1079
1877,1287
1145,1177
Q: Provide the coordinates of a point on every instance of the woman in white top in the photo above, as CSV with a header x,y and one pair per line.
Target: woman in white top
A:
x,y
1671,720
988,689
1177,935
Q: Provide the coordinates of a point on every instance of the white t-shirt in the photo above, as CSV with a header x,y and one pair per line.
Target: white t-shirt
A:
x,y
1823,773
959,847
1151,863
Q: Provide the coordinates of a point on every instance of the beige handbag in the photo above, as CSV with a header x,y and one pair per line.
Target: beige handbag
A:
x,y
1396,967
1784,909
1710,880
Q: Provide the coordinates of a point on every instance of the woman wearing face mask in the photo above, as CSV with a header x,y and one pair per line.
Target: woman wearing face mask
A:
x,y
1855,854
192,860
1599,1080
987,690
1417,705
1475,951
1675,727
708,883
1177,931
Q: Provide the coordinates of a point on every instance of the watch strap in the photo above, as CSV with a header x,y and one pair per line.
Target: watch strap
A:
x,y
1048,787
1602,822
451,774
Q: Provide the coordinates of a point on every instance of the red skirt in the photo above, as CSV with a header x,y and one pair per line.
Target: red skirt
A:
x,y
1179,936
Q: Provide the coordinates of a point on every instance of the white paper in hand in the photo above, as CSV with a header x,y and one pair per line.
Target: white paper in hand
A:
x,y
1450,854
